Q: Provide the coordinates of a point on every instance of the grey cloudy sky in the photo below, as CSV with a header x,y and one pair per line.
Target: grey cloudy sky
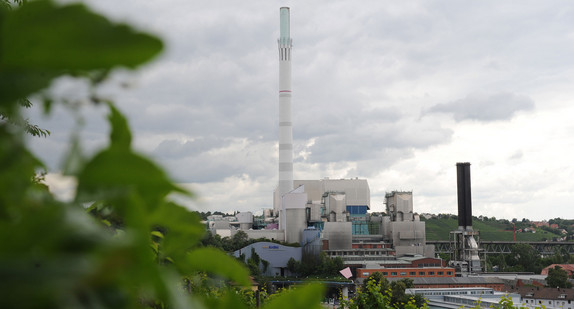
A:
x,y
395,92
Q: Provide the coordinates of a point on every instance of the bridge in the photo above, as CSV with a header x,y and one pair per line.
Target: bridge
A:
x,y
497,247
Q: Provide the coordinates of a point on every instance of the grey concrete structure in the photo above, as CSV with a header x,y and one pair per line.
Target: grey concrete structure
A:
x,y
245,220
405,230
356,190
339,235
272,234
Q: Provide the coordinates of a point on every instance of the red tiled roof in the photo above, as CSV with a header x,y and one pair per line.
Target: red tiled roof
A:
x,y
567,267
543,293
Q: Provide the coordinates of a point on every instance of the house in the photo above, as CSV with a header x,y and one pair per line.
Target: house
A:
x,y
533,297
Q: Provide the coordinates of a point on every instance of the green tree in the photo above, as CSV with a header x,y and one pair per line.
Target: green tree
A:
x,y
523,257
292,265
134,246
557,278
239,240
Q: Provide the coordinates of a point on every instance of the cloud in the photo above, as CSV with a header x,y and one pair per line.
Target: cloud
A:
x,y
207,109
203,161
171,148
485,107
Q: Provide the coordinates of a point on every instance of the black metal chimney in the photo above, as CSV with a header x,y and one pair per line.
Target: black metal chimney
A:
x,y
464,198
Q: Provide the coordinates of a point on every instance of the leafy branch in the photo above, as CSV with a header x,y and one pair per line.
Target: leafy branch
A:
x,y
58,254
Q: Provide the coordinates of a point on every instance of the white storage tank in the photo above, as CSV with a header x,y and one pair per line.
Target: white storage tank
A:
x,y
296,222
245,220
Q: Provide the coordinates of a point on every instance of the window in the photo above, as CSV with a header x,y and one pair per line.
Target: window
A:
x,y
431,273
404,273
365,273
421,273
393,273
440,273
449,273
385,273
413,273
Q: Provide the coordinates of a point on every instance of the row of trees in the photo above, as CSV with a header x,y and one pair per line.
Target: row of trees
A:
x,y
524,258
239,240
320,266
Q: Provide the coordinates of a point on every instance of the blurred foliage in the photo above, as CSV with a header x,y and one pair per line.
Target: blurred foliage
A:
x,y
121,242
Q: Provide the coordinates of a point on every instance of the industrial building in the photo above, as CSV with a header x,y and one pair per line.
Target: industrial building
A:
x,y
329,215
406,272
463,297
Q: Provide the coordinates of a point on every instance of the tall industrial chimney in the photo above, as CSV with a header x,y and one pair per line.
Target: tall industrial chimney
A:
x,y
464,196
465,254
285,124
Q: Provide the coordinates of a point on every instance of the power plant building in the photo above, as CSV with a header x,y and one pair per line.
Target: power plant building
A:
x,y
329,215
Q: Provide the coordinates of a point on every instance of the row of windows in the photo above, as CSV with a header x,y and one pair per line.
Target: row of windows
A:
x,y
368,246
428,265
532,301
414,273
454,292
359,253
357,210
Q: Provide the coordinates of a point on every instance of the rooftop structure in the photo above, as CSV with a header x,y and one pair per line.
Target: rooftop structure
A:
x,y
569,268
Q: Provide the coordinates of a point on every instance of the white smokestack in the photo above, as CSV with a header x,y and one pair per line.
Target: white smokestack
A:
x,y
285,124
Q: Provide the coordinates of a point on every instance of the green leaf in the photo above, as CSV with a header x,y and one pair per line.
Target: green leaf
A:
x,y
157,234
71,37
41,40
17,168
120,137
307,296
183,229
114,174
74,160
117,172
215,261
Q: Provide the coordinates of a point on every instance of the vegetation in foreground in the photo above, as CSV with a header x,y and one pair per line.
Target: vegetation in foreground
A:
x,y
134,247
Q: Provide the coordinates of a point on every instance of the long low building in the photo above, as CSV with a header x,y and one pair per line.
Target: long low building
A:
x,y
463,297
457,282
407,272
